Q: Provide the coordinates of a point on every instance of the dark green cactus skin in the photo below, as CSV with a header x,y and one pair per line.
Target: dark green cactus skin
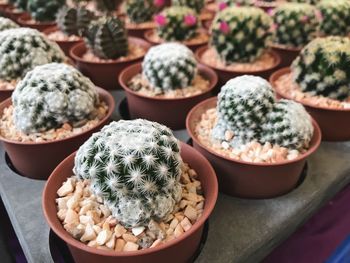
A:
x,y
20,4
140,11
107,38
107,6
196,5
44,10
73,21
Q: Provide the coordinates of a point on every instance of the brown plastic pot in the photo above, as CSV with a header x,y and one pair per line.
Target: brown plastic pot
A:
x,y
287,54
103,73
334,123
38,159
13,13
245,179
225,75
25,20
171,112
178,250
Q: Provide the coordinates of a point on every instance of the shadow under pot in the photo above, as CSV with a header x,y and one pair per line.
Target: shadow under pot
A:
x,y
187,243
102,72
287,54
171,112
333,122
26,20
247,179
37,160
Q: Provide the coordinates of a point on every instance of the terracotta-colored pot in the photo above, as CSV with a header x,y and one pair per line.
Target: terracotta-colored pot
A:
x,y
3,7
38,159
225,75
245,179
65,45
287,54
103,73
334,123
5,94
25,20
171,112
179,250
12,13
149,33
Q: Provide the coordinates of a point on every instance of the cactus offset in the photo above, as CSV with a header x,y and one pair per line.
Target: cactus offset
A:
x,y
196,5
135,166
44,10
6,23
140,11
50,95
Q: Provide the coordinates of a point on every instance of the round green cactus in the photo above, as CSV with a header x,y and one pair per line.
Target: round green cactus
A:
x,y
177,23
107,38
288,125
169,66
50,95
335,17
323,68
241,34
21,49
295,24
136,167
6,23
140,11
44,10
196,5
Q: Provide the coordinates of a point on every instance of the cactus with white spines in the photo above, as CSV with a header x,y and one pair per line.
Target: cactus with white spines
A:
x,y
196,5
323,68
51,95
140,11
6,23
22,49
135,166
169,66
229,3
241,34
44,10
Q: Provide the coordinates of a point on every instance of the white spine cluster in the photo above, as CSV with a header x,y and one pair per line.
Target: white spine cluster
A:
x,y
6,23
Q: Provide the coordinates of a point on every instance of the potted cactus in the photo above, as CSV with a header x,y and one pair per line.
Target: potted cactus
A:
x,y
150,193
295,25
167,84
16,9
198,7
6,23
21,49
52,112
178,23
319,79
106,51
257,145
219,5
239,44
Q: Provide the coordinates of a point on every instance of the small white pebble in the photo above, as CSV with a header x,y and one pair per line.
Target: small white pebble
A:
x,y
130,246
103,237
186,224
138,230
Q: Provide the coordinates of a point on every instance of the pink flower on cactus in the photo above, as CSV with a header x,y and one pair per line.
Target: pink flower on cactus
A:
x,y
158,3
224,27
160,20
304,19
270,11
222,6
190,20
319,15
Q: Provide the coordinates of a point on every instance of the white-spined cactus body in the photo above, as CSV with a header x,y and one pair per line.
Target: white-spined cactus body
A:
x,y
169,66
22,49
51,95
196,5
6,23
136,167
140,11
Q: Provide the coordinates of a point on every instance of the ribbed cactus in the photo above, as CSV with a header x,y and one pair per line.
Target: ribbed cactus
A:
x,y
335,17
241,34
107,38
44,10
51,95
323,68
177,23
22,49
73,21
140,11
169,66
6,23
136,167
196,5
295,24
288,125
243,104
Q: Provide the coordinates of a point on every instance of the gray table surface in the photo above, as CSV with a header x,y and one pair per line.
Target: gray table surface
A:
x,y
240,230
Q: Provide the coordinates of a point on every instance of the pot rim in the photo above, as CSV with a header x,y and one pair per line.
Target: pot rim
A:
x,y
101,92
284,47
277,58
22,19
10,9
201,69
72,53
55,28
283,71
64,235
313,147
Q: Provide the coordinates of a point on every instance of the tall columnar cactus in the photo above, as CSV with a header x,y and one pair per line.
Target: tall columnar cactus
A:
x,y
241,34
169,66
295,24
22,49
177,23
288,125
73,21
136,167
44,10
6,23
107,38
335,17
243,104
51,95
196,5
323,68
140,11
